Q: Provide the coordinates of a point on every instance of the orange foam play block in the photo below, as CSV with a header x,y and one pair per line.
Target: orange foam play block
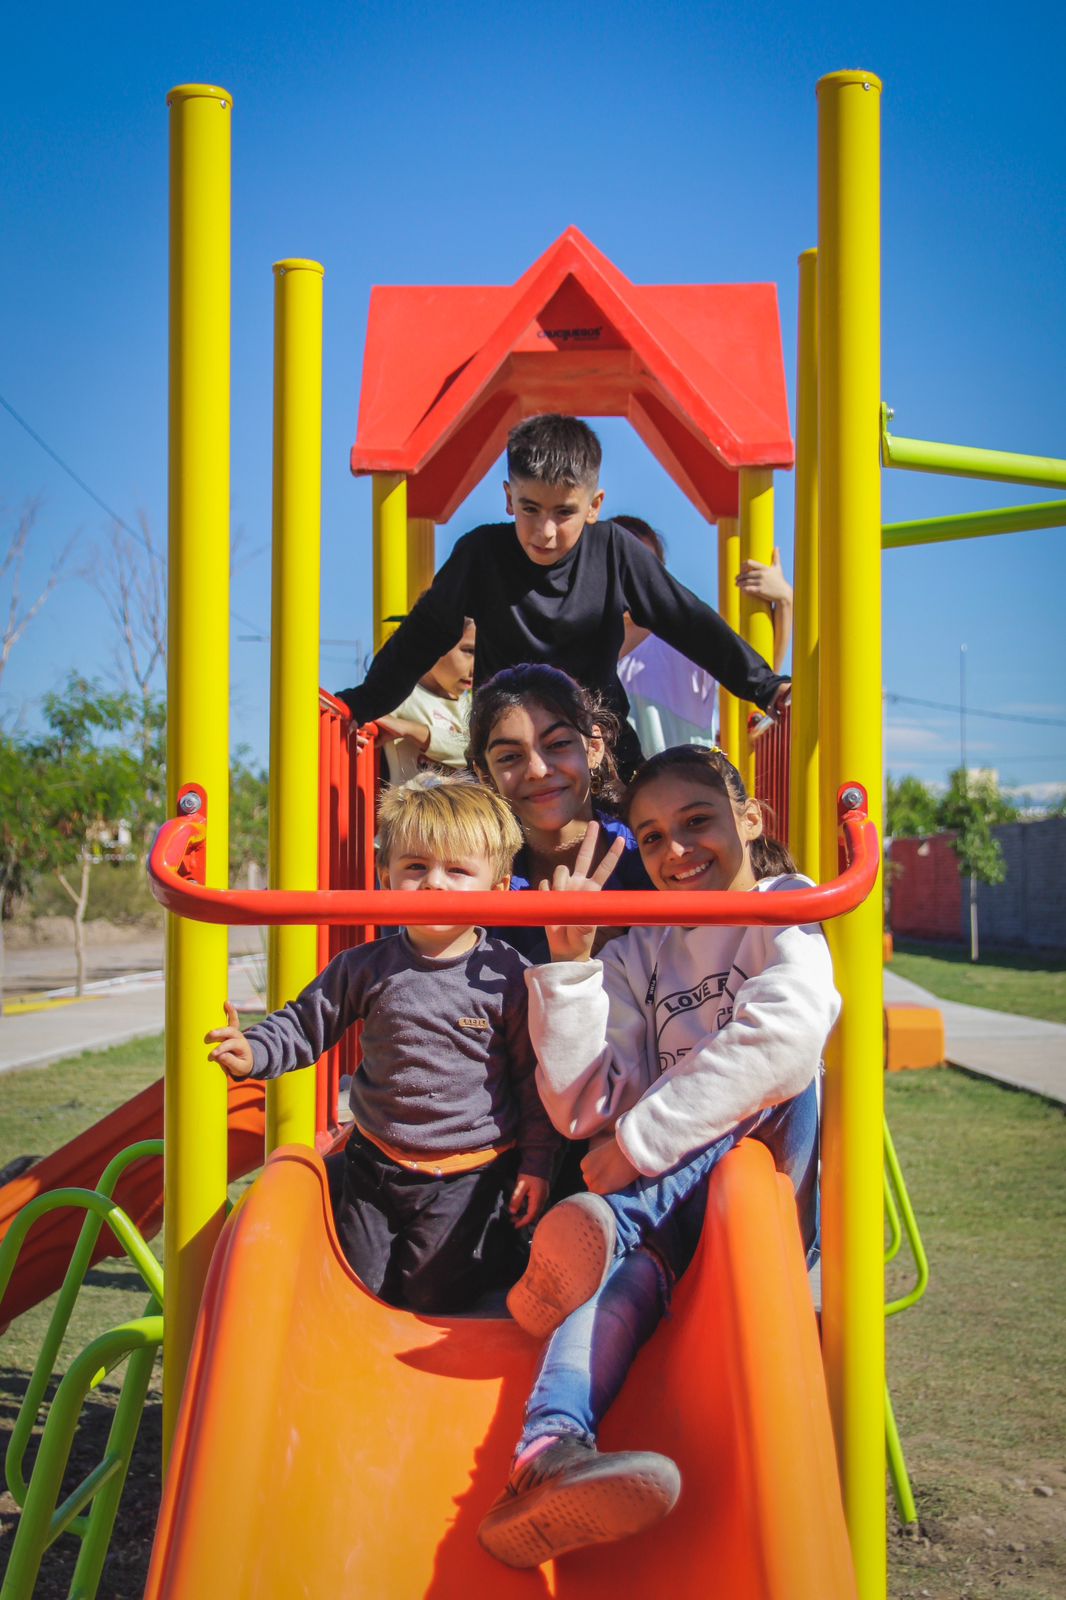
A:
x,y
914,1037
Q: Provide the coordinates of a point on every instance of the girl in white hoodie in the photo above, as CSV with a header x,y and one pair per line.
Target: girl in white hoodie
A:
x,y
665,1053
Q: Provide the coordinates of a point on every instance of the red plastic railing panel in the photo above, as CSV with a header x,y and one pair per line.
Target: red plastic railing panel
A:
x,y
345,862
772,752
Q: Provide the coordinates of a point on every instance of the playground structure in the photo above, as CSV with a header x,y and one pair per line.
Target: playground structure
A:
x,y
427,433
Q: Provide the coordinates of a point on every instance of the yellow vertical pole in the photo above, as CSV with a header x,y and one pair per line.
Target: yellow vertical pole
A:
x,y
849,516
421,556
756,618
390,552
729,610
804,801
294,663
194,1164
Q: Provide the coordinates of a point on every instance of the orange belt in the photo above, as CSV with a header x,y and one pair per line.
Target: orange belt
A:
x,y
439,1166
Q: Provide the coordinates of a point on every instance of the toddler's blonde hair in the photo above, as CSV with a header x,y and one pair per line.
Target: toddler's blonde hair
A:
x,y
448,815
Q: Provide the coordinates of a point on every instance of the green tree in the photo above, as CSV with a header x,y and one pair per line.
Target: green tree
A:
x,y
248,801
971,808
20,830
93,790
911,809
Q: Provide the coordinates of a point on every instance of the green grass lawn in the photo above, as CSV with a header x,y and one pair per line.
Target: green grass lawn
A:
x,y
1026,985
975,1369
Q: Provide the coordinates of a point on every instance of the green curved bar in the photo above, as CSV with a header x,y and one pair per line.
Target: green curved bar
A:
x,y
897,1466
101,1208
910,1224
895,1233
39,1524
100,1521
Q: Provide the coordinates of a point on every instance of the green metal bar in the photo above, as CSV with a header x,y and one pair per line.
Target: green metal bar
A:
x,y
897,1466
101,1209
35,1528
896,1189
121,1440
910,1224
974,524
895,1232
65,1514
963,461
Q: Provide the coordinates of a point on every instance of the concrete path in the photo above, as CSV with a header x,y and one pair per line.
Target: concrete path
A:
x,y
112,1012
1020,1051
1015,1050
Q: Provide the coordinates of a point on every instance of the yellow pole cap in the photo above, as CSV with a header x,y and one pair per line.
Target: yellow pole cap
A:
x,y
840,80
200,91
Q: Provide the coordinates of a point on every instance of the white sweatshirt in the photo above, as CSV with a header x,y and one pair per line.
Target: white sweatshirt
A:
x,y
678,1034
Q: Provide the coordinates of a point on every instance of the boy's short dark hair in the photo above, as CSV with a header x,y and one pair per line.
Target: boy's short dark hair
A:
x,y
553,448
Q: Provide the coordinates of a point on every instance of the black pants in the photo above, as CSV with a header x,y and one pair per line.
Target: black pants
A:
x,y
431,1244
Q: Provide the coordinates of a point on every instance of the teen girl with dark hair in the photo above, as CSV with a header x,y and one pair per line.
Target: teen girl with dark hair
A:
x,y
547,746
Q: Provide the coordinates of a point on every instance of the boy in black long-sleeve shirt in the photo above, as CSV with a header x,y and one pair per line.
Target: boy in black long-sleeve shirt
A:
x,y
553,586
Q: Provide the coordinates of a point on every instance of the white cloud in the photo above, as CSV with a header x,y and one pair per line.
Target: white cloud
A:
x,y
1038,794
917,739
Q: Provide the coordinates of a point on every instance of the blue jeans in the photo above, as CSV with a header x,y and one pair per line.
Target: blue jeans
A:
x,y
586,1360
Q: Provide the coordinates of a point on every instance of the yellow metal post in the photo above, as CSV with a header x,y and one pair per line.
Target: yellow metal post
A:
x,y
729,610
756,618
294,663
421,556
849,507
390,552
194,1171
804,803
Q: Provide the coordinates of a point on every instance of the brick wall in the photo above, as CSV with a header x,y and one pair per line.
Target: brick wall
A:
x,y
930,899
1027,910
926,888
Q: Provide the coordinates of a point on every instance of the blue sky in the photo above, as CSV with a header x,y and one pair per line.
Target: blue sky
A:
x,y
447,143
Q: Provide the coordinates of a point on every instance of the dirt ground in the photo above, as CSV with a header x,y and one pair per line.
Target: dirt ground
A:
x,y
1010,1544
126,1568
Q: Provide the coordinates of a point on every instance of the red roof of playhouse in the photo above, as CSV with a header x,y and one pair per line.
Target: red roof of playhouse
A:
x,y
697,369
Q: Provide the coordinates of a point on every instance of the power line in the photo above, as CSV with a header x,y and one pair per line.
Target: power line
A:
x,y
972,711
134,533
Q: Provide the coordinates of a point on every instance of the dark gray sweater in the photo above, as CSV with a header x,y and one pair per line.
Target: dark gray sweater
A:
x,y
447,1063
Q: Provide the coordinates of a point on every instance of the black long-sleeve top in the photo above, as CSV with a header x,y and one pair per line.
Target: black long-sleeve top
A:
x,y
569,615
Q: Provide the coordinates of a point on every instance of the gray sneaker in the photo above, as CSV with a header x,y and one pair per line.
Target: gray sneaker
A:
x,y
569,1259
570,1496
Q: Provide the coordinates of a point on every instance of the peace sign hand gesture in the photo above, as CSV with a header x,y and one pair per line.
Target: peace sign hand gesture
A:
x,y
575,944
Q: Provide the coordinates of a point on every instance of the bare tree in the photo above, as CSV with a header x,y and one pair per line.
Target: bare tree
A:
x,y
21,612
130,576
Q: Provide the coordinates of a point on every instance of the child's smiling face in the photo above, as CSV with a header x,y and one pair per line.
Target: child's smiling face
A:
x,y
692,837
550,518
541,765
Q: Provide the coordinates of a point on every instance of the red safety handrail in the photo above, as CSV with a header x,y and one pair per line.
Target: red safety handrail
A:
x,y
175,862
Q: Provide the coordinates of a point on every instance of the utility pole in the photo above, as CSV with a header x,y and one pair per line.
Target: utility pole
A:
x,y
974,950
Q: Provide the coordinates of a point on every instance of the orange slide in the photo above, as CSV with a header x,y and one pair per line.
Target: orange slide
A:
x,y
330,1445
46,1254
